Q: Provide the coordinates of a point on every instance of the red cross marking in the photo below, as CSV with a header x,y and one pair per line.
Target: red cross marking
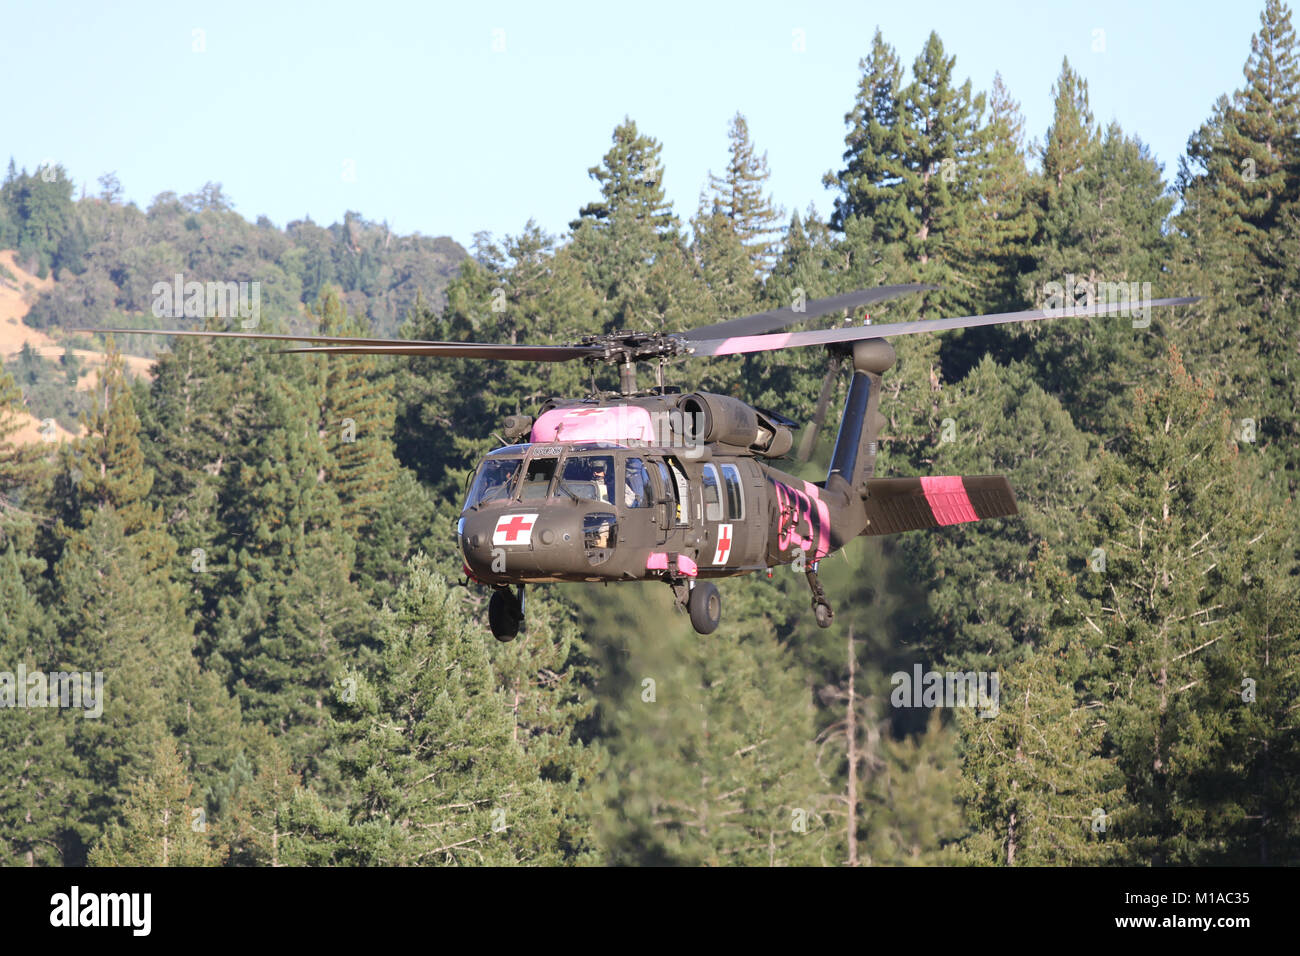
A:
x,y
514,526
724,544
587,411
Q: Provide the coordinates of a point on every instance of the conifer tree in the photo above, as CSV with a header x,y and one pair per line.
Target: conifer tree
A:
x,y
163,822
1239,228
629,242
253,802
1073,134
740,787
1182,523
428,743
739,196
44,780
382,511
913,164
1102,207
993,247
549,679
872,162
117,619
1038,786
107,468
997,421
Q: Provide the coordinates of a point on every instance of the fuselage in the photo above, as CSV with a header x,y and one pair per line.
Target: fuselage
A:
x,y
614,511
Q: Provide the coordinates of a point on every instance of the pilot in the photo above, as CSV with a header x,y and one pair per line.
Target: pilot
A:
x,y
497,491
598,476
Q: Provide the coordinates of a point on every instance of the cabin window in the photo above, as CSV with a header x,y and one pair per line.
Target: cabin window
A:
x,y
636,484
735,493
599,536
712,494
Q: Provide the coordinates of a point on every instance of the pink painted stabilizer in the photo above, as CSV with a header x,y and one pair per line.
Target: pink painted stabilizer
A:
x,y
946,495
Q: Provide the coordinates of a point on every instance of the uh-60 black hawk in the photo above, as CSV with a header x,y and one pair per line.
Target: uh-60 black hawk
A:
x,y
663,485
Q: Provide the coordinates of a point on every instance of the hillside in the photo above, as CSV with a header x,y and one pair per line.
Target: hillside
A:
x,y
109,256
98,262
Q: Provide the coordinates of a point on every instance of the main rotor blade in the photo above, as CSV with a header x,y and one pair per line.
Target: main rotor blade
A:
x,y
478,350
342,345
766,343
780,318
265,336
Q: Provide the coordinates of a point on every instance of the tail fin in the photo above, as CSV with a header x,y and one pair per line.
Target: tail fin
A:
x,y
908,504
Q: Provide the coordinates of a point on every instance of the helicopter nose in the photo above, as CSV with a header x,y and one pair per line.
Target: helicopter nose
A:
x,y
504,545
475,533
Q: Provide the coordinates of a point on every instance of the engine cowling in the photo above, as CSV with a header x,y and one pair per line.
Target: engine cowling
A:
x,y
721,418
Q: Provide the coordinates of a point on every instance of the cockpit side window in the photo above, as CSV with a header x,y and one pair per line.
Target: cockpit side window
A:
x,y
588,476
494,481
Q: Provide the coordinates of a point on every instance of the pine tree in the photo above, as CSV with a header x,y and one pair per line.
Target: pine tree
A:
x,y
913,164
1240,233
629,243
116,618
1102,209
739,196
107,468
163,822
253,802
872,162
711,757
1073,133
549,679
631,182
44,779
993,247
19,465
1038,786
896,802
1183,527
380,509
525,290
288,616
195,427
428,743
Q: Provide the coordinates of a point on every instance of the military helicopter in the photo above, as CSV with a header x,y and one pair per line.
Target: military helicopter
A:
x,y
658,484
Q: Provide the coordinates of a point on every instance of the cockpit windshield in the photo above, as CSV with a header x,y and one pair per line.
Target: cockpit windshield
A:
x,y
494,481
588,476
538,478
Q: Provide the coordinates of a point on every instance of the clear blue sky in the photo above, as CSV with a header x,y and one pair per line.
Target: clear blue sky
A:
x,y
445,136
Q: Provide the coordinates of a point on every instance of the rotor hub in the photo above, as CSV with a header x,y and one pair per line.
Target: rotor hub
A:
x,y
627,347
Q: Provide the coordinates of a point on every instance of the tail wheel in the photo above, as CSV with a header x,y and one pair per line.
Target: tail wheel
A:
x,y
504,615
824,614
705,606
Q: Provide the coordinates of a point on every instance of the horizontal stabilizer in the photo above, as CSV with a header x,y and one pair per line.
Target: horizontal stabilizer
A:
x,y
909,504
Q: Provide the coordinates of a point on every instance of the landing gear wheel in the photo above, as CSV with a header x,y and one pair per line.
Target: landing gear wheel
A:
x,y
505,615
705,605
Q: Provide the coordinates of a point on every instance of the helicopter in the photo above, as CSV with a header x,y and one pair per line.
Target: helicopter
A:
x,y
658,484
